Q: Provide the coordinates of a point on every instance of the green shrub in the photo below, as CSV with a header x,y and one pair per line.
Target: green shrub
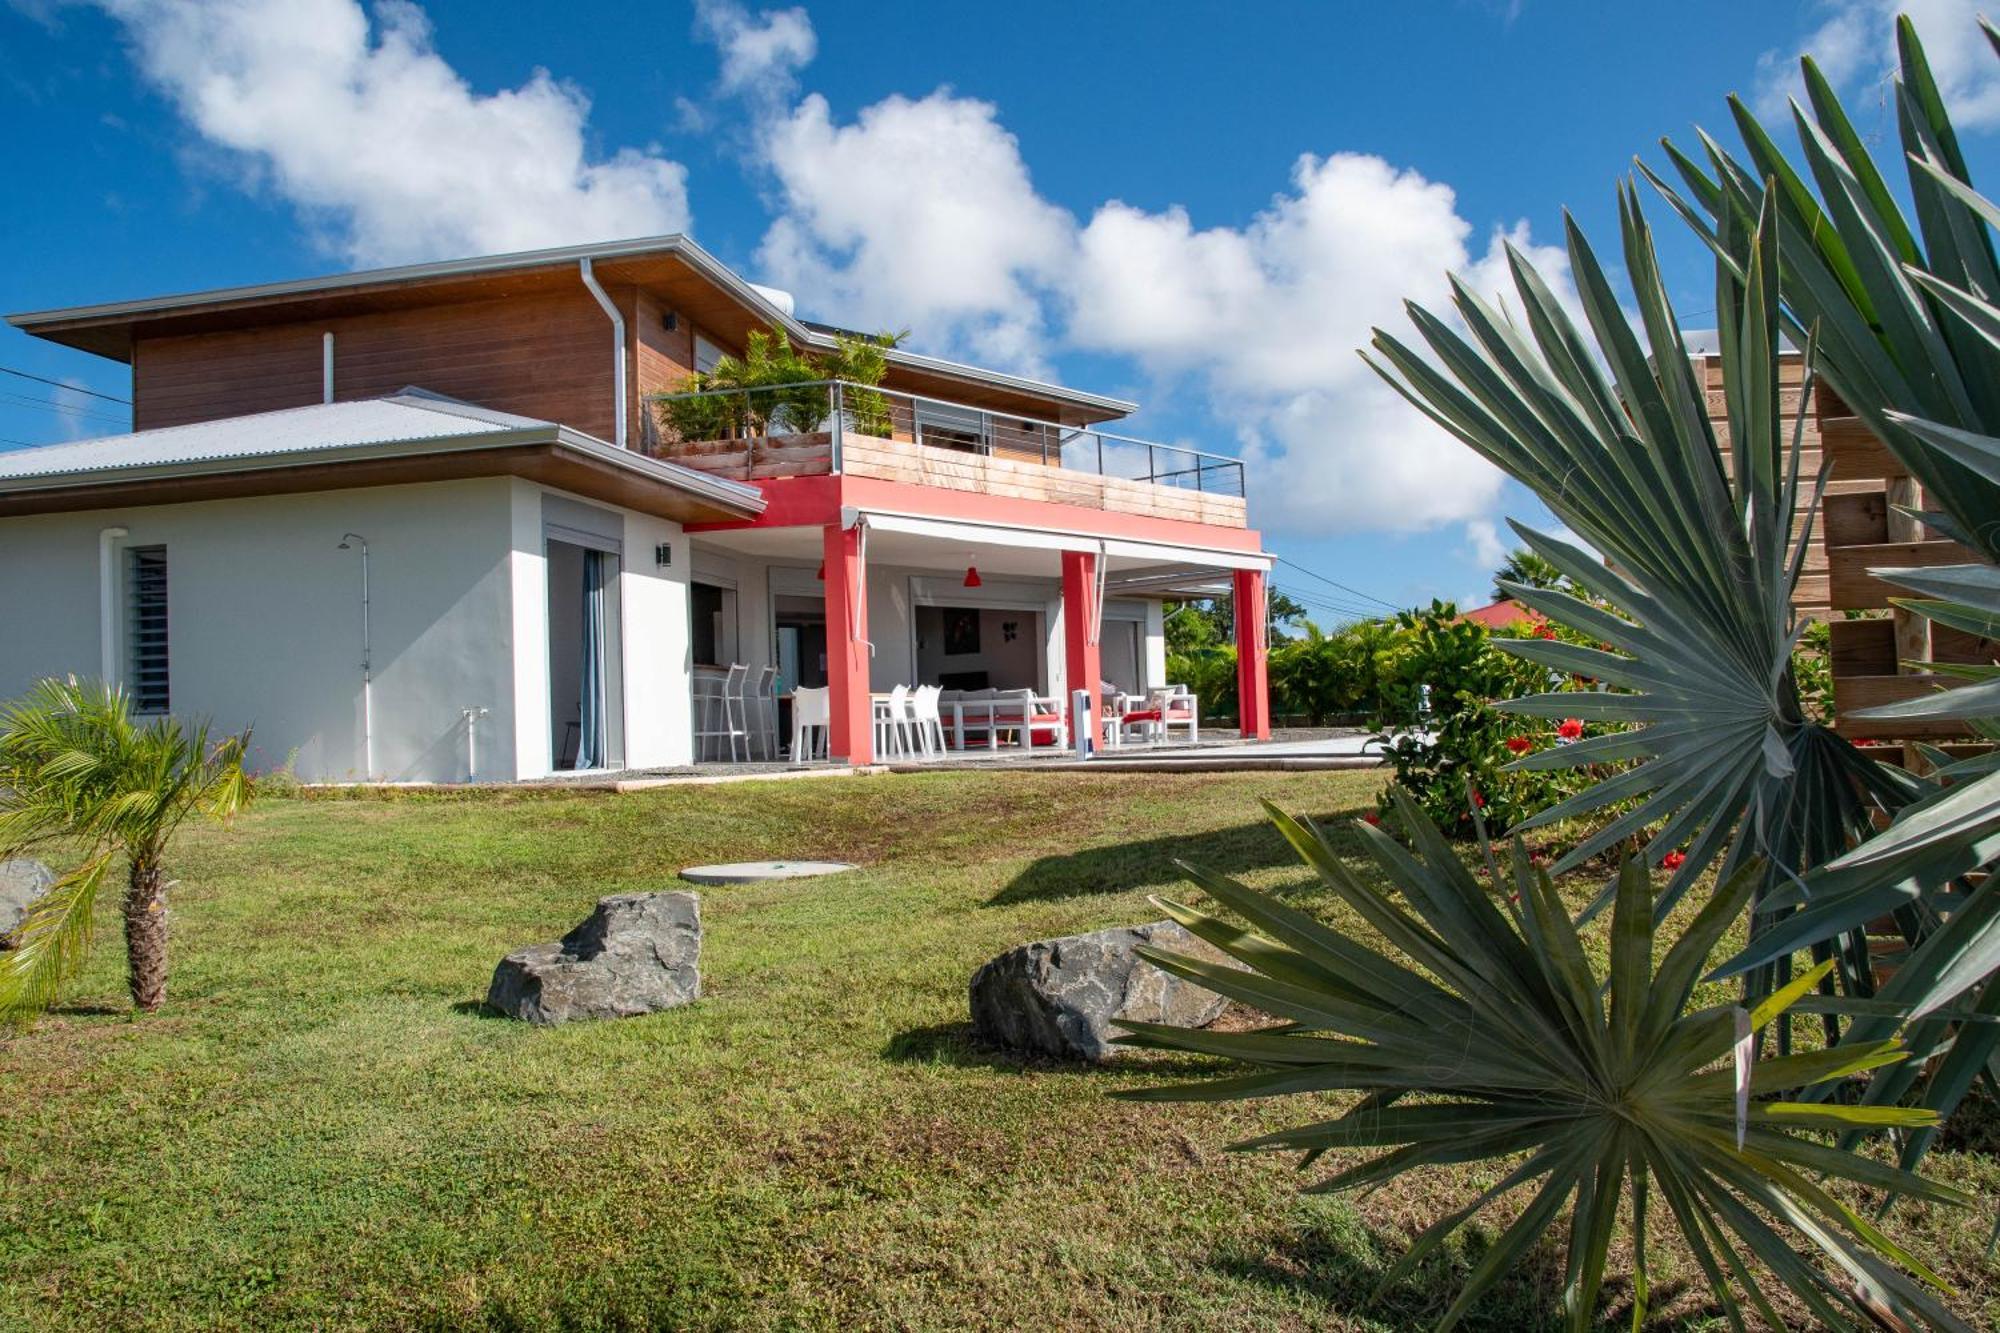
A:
x,y
1448,743
1322,676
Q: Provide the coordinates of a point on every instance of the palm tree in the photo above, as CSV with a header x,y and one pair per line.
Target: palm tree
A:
x,y
1524,567
80,774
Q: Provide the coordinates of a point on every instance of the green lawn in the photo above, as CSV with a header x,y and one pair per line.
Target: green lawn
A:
x,y
322,1129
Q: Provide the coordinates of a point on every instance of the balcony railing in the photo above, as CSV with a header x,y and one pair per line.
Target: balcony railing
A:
x,y
836,408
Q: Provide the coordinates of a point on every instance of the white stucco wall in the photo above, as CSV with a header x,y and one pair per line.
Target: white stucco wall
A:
x,y
264,624
264,619
658,654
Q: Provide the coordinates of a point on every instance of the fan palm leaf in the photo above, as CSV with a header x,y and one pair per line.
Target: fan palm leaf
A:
x,y
1595,1088
1692,595
1890,306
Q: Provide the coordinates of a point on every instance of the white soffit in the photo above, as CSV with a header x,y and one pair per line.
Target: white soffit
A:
x,y
991,534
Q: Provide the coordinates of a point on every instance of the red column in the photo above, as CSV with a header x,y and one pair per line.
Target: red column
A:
x,y
1082,664
852,735
1253,678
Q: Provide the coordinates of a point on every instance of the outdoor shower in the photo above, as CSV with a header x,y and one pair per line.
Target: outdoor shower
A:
x,y
367,661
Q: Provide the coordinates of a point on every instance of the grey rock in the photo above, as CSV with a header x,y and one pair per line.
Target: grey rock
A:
x,y
21,883
1060,997
637,953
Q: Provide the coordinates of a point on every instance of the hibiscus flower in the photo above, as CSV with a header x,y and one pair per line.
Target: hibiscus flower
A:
x,y
1520,744
1673,860
1571,729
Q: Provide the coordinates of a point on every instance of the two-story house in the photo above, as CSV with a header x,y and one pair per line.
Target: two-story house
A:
x,y
430,523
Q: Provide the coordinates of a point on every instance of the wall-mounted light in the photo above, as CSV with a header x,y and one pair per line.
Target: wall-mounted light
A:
x,y
672,320
663,554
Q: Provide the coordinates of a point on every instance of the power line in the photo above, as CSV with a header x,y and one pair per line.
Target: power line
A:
x,y
74,409
1366,597
72,388
1313,597
83,413
1314,603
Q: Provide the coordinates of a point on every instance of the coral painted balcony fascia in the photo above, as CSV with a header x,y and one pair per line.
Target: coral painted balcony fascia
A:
x,y
831,427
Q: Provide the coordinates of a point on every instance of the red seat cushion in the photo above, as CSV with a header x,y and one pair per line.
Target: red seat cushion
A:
x,y
1142,715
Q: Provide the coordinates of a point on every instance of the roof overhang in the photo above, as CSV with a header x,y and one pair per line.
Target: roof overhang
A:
x,y
1120,550
111,328
553,455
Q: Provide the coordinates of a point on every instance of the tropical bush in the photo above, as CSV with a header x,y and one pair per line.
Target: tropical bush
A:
x,y
1209,670
775,388
81,779
1443,732
1322,676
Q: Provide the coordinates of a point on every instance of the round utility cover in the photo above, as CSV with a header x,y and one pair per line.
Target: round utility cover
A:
x,y
753,872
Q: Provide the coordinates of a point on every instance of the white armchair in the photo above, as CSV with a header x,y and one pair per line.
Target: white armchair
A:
x,y
1177,709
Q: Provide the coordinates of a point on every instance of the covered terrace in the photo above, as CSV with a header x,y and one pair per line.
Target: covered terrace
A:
x,y
982,600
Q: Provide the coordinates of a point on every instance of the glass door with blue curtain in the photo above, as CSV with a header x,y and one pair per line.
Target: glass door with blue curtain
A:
x,y
583,653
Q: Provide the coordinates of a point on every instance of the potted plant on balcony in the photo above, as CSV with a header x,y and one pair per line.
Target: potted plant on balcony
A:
x,y
775,389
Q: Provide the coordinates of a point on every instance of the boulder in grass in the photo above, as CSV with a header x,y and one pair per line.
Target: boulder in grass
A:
x,y
22,882
1062,997
637,953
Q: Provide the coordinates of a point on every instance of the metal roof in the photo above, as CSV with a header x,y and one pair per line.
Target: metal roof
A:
x,y
408,416
411,423
43,323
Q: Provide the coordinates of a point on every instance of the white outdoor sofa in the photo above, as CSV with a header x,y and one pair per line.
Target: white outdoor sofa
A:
x,y
986,716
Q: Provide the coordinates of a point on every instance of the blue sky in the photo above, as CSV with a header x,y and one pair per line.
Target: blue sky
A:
x,y
1203,208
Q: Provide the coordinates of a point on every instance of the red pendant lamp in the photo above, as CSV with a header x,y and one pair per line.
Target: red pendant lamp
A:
x,y
820,573
972,579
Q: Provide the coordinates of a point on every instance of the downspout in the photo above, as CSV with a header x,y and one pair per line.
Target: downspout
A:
x,y
326,367
617,348
107,602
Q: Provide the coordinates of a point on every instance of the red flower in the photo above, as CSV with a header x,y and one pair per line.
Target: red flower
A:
x,y
1571,728
1478,798
1373,817
1673,860
1520,744
1544,632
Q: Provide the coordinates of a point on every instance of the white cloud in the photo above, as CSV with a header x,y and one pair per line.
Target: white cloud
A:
x,y
1266,318
923,213
1854,42
761,54
381,143
918,213
1482,536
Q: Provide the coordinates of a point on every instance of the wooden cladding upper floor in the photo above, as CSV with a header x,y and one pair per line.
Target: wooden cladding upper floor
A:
x,y
543,355
914,464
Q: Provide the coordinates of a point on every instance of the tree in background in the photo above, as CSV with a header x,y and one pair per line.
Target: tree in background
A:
x,y
1527,569
1212,620
1201,652
1324,677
